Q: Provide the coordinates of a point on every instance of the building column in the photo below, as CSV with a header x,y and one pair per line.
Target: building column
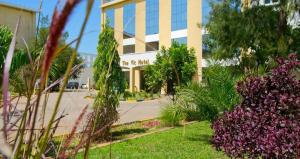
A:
x,y
119,27
131,80
165,27
137,80
165,9
194,32
103,18
140,26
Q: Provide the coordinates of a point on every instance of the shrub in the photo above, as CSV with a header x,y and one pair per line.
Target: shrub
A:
x,y
171,115
267,122
205,101
109,81
174,66
196,101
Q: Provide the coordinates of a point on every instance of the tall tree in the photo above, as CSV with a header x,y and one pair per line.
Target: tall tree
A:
x,y
174,66
254,34
109,82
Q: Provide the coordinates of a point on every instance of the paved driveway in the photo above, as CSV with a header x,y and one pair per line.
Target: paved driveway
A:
x,y
73,102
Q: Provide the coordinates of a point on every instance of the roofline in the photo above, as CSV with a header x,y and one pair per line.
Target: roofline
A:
x,y
18,7
112,3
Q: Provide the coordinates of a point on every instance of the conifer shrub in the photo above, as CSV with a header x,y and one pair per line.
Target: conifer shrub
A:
x,y
266,124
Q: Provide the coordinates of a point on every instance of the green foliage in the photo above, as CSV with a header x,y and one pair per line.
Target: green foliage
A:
x,y
109,81
22,72
256,34
205,101
61,61
221,85
108,58
172,115
60,64
197,102
142,95
153,78
5,39
174,67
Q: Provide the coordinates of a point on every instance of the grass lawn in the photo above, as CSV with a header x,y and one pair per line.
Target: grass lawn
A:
x,y
193,143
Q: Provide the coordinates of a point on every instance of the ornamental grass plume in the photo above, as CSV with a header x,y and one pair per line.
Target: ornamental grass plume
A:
x,y
267,122
23,137
59,21
70,137
6,104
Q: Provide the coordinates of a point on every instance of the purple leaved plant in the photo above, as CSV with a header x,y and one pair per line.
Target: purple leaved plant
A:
x,y
267,122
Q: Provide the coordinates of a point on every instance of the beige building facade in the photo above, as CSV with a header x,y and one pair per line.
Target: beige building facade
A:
x,y
9,15
142,27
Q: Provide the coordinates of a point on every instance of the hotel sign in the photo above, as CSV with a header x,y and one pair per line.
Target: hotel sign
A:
x,y
136,63
137,59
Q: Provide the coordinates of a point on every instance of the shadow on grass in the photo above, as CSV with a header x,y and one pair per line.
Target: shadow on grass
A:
x,y
122,133
200,138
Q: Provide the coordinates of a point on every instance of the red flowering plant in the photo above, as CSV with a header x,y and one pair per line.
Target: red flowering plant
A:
x,y
267,122
151,124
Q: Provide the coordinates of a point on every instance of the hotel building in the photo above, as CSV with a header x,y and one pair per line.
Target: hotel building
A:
x,y
142,27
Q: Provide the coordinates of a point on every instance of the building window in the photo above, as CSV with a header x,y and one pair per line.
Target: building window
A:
x,y
127,78
152,17
129,20
110,17
206,53
152,46
270,1
127,49
179,14
180,40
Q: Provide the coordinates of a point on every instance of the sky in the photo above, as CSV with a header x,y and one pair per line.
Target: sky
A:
x,y
90,39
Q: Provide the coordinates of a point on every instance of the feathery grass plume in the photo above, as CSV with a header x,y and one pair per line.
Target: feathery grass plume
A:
x,y
71,135
5,81
59,21
57,26
43,143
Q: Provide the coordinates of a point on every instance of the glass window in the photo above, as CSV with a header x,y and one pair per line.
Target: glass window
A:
x,y
129,20
152,46
206,53
271,1
180,40
179,14
267,1
128,49
127,78
110,17
152,17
